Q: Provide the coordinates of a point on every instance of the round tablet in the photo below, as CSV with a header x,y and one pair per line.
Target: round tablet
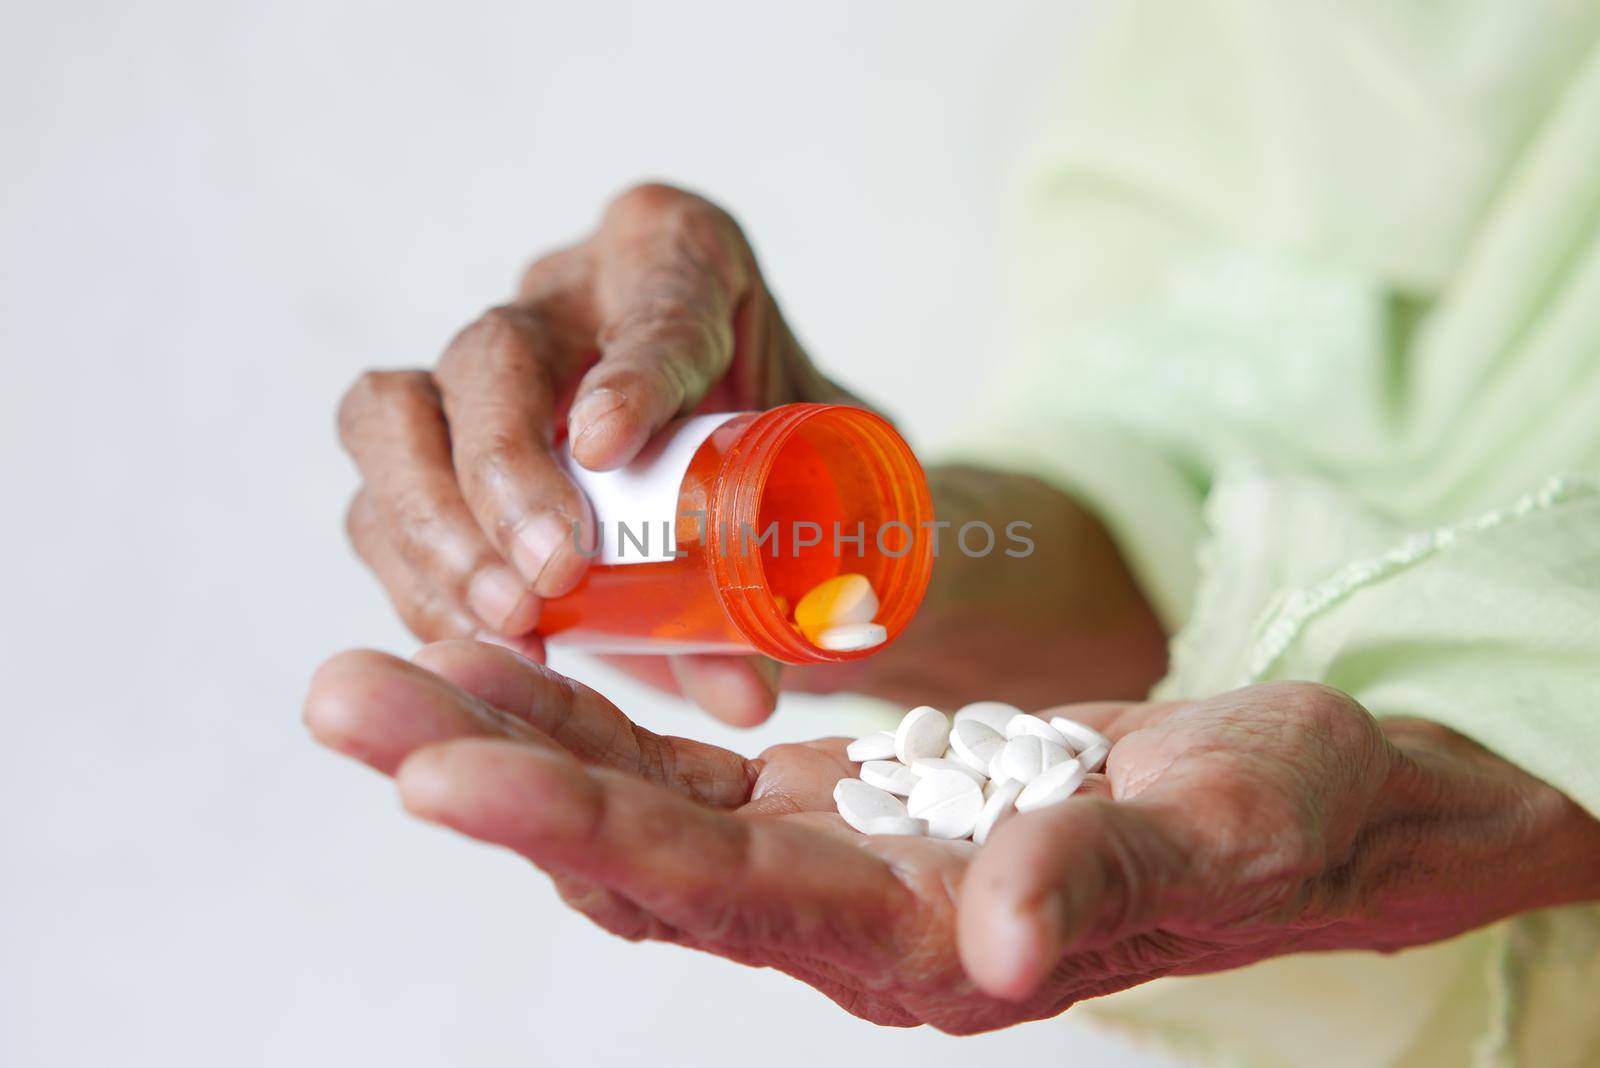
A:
x,y
992,714
890,776
1000,804
924,732
1079,736
922,767
1022,724
1028,756
975,743
1094,757
949,801
857,803
1052,787
897,825
876,746
849,637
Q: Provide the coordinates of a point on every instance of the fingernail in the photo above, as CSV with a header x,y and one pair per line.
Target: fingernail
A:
x,y
495,594
587,415
538,541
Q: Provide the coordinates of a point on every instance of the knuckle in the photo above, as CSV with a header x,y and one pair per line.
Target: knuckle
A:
x,y
662,316
415,515
648,200
496,328
382,394
1345,732
675,380
552,275
497,452
657,205
503,338
431,617
358,522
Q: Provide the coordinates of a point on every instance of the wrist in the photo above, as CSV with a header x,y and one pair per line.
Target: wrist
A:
x,y
1064,622
1458,838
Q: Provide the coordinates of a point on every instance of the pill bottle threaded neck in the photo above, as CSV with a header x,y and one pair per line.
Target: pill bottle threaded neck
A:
x,y
847,471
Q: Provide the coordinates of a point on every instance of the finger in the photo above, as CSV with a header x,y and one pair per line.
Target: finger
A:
x,y
763,883
499,380
739,690
799,777
653,671
589,726
1076,875
380,709
426,610
671,271
392,424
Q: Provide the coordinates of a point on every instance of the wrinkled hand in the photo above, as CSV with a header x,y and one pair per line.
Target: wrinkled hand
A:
x,y
466,515
1225,830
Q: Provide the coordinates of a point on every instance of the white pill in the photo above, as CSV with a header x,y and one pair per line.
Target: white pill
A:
x,y
949,801
849,637
890,775
1023,723
999,805
975,743
922,767
897,825
857,803
924,732
877,746
1080,736
1053,787
992,714
1094,757
1029,756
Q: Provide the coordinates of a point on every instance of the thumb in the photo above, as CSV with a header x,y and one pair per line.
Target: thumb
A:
x,y
1073,876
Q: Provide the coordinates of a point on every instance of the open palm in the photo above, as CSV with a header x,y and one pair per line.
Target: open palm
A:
x,y
1214,839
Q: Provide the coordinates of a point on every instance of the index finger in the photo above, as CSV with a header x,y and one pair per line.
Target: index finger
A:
x,y
671,271
760,888
500,379
588,725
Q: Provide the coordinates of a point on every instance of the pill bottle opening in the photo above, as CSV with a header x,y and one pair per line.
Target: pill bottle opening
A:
x,y
813,491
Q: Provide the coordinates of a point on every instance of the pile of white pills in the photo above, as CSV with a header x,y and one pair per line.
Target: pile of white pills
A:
x,y
959,779
838,614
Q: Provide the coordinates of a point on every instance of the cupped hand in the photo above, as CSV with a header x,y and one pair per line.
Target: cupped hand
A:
x,y
466,514
1224,831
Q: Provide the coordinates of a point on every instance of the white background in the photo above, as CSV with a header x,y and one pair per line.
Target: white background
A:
x,y
214,216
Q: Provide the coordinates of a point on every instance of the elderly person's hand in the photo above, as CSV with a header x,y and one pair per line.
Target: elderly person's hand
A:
x,y
467,517
465,513
1265,821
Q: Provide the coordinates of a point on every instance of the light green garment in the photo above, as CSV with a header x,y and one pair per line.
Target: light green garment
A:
x,y
1313,306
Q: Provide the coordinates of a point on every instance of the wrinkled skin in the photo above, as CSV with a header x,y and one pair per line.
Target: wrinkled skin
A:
x,y
465,513
1265,821
1224,831
662,310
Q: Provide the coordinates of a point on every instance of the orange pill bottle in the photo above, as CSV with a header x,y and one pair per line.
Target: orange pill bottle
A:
x,y
760,507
